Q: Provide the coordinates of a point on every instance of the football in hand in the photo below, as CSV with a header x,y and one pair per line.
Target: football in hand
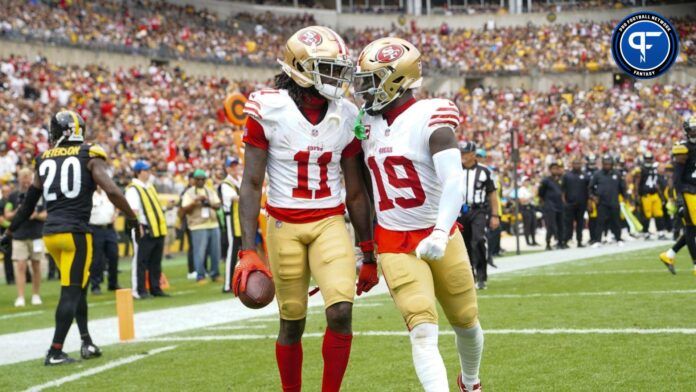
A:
x,y
259,291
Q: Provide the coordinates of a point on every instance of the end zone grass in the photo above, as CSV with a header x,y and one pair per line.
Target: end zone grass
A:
x,y
619,295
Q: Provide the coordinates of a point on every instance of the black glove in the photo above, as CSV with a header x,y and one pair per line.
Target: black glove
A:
x,y
133,226
5,243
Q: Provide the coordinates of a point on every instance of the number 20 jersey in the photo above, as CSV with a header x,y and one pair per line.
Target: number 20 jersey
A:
x,y
68,186
303,159
404,182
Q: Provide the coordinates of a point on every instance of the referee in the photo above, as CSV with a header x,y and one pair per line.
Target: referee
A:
x,y
479,212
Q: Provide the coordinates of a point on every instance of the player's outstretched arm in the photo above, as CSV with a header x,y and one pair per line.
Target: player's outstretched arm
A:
x,y
358,204
27,208
255,160
99,169
447,162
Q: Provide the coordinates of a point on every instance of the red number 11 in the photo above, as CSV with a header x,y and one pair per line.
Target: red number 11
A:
x,y
302,190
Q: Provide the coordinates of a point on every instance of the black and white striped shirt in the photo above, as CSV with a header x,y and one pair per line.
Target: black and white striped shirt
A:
x,y
477,184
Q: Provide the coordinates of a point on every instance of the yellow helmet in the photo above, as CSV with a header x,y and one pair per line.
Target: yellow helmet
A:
x,y
317,56
387,67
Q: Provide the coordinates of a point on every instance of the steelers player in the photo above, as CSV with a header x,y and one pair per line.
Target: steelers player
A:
x,y
684,154
66,177
411,151
648,186
301,134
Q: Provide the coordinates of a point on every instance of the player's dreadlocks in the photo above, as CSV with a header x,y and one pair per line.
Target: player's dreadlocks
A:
x,y
284,82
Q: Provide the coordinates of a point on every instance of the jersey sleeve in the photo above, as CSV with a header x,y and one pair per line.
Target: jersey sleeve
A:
x,y
95,151
254,134
442,113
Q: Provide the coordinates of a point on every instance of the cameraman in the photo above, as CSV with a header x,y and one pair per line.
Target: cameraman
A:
x,y
199,204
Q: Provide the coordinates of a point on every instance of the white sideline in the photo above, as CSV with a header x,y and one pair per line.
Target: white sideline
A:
x,y
534,331
17,315
98,369
23,346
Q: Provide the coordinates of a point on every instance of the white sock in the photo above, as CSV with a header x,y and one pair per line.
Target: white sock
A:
x,y
671,254
470,347
427,359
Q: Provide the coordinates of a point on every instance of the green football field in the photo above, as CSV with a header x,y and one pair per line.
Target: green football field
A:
x,y
617,323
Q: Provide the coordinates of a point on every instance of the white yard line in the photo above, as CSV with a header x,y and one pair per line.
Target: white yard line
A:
x,y
527,331
17,315
587,294
98,369
581,273
32,344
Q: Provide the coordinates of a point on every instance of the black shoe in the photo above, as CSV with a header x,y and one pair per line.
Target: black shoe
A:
x,y
548,246
54,358
481,285
160,294
142,296
96,290
580,245
114,288
564,246
89,351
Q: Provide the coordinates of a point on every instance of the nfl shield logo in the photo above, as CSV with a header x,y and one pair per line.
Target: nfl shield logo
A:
x,y
387,132
315,132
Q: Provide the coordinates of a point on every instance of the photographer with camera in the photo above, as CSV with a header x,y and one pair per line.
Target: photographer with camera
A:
x,y
199,204
147,250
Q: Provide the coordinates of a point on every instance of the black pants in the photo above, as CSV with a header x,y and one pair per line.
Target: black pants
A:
x,y
574,214
554,226
529,223
148,258
9,268
474,225
105,248
609,218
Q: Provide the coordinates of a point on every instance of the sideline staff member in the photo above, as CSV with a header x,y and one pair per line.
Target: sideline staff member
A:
x,y
480,210
148,249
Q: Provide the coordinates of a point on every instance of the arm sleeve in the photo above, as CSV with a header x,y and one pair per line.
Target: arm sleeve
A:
x,y
352,149
227,194
254,134
133,199
490,184
449,171
26,209
542,189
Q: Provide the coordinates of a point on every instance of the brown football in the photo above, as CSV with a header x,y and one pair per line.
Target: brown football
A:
x,y
259,291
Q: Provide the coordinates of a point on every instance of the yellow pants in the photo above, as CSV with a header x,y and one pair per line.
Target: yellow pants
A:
x,y
651,205
72,253
689,209
322,250
416,285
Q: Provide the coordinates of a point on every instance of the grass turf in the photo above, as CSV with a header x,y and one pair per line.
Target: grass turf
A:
x,y
630,290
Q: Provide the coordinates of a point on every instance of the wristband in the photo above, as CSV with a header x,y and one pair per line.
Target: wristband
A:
x,y
367,246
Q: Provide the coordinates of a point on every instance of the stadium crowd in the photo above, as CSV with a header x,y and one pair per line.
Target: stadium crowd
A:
x,y
169,31
178,124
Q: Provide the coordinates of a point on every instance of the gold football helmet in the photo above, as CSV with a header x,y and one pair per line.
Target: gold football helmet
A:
x,y
317,56
387,67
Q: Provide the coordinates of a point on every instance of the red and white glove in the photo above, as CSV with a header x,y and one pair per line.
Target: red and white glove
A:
x,y
432,247
367,277
249,261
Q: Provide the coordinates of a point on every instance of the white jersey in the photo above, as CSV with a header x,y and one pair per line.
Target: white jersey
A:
x,y
303,159
404,182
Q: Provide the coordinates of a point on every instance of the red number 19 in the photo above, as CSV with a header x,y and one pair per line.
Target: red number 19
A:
x,y
411,181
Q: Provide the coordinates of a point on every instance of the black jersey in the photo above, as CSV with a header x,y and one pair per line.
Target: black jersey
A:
x,y
68,187
650,181
685,174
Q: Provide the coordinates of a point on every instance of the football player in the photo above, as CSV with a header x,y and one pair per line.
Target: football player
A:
x,y
66,177
411,151
301,134
684,153
648,186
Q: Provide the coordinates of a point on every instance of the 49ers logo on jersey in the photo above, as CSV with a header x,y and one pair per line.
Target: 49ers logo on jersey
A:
x,y
390,53
310,37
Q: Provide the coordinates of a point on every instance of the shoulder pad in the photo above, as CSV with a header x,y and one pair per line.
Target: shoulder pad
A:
x,y
95,151
264,102
348,107
680,149
441,113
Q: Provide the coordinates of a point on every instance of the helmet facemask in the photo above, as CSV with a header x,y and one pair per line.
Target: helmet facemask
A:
x,y
330,77
370,87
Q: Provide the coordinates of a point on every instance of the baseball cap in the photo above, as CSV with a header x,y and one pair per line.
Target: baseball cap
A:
x,y
467,146
200,173
141,165
231,161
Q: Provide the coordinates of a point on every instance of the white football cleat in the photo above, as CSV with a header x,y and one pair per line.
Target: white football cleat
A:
x,y
19,302
462,387
36,300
